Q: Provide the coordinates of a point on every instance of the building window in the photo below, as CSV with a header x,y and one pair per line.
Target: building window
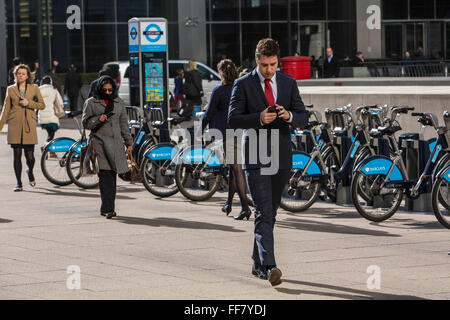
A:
x,y
99,11
225,43
443,9
421,9
279,10
312,9
255,10
251,34
219,10
67,47
341,9
100,45
395,9
343,38
130,9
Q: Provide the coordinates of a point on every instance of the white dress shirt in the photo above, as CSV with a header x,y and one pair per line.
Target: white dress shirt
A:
x,y
273,84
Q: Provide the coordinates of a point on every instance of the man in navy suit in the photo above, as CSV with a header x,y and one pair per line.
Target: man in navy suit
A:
x,y
249,109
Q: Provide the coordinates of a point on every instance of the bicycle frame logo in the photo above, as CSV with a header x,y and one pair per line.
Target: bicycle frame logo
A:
x,y
375,169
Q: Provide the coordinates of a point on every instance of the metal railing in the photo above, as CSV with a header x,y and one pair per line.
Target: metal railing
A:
x,y
413,68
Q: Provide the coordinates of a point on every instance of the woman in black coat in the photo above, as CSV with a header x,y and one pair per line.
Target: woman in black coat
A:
x,y
193,88
216,116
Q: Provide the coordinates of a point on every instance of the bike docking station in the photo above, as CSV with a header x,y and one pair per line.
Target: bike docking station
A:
x,y
149,67
415,152
343,141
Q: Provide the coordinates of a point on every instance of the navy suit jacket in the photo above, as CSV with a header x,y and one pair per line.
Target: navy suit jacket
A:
x,y
248,101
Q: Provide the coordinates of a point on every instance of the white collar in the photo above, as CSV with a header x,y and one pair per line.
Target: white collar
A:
x,y
261,78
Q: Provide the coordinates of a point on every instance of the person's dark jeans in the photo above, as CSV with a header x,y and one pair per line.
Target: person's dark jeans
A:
x,y
73,100
107,184
266,193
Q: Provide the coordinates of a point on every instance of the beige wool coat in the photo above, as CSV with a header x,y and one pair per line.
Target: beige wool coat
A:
x,y
21,129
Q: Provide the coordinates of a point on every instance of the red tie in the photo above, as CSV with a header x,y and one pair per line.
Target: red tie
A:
x,y
268,92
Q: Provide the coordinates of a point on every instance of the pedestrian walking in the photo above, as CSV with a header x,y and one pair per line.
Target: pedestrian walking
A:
x,y
72,87
19,111
192,88
37,74
330,65
178,90
48,118
216,116
105,115
252,100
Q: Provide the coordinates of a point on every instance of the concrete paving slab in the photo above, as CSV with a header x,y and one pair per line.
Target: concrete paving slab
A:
x,y
175,249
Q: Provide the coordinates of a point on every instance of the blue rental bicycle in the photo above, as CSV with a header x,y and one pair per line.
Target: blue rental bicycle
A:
x,y
55,153
159,162
146,136
326,166
386,179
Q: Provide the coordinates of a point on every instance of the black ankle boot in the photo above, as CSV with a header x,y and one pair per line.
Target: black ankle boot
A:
x,y
243,214
226,208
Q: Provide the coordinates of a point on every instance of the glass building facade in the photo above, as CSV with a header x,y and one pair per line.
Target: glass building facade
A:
x,y
103,35
37,29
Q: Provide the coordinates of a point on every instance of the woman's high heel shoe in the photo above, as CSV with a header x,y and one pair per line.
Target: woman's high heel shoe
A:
x,y
226,208
243,214
31,178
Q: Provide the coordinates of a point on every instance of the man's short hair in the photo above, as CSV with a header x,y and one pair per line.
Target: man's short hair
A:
x,y
267,47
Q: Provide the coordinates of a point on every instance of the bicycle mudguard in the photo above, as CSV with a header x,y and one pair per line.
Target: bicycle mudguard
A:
x,y
299,161
161,151
76,147
199,155
62,144
440,165
375,165
444,173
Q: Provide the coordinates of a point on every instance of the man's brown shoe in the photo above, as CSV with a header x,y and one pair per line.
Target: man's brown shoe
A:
x,y
275,276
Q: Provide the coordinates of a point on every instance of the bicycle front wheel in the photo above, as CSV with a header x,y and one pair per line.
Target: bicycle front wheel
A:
x,y
195,184
440,197
301,197
158,183
371,200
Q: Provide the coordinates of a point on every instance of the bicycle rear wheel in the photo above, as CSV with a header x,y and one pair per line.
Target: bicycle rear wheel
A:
x,y
53,166
374,203
85,181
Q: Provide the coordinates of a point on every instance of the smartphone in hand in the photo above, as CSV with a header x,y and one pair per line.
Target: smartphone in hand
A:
x,y
272,109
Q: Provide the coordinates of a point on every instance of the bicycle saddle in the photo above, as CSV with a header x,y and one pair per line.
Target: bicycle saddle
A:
x,y
389,130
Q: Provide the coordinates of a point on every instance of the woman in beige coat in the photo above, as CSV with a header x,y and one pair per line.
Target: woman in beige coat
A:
x,y
19,110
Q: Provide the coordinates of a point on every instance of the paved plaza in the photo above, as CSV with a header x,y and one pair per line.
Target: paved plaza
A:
x,y
176,249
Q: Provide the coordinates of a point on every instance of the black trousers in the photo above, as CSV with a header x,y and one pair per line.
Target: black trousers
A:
x,y
73,100
266,193
107,184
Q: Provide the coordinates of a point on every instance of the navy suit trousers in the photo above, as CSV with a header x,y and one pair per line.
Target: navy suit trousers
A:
x,y
266,194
